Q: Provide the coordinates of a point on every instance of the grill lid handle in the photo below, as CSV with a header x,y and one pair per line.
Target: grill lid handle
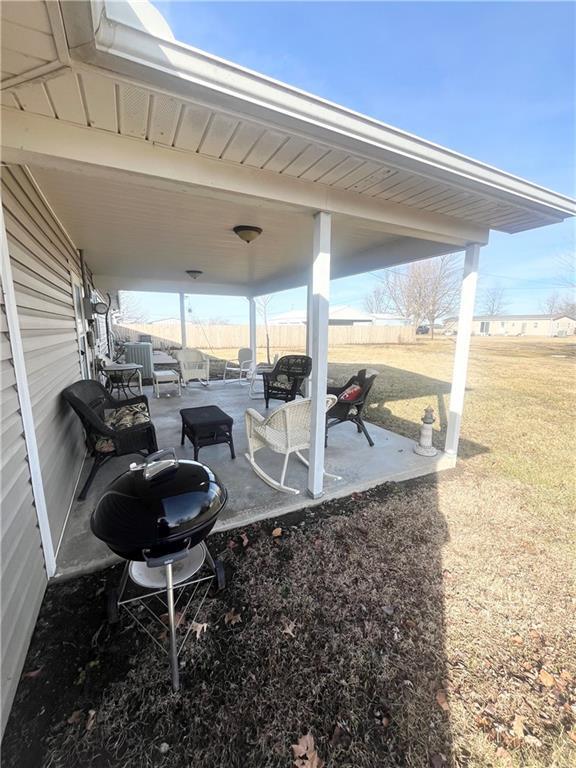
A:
x,y
160,462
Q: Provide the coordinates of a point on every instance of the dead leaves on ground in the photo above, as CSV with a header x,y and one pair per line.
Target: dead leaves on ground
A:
x,y
442,700
34,673
232,617
276,533
288,627
305,755
198,629
546,678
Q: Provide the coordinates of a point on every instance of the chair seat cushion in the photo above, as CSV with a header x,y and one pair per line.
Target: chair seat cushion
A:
x,y
350,394
121,418
281,384
127,416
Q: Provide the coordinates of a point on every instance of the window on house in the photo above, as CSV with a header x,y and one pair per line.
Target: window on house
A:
x,y
535,325
502,324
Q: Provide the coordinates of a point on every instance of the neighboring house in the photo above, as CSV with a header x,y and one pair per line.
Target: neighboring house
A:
x,y
386,318
129,159
341,315
337,315
518,325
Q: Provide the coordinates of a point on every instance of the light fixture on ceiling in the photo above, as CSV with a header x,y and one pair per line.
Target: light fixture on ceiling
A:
x,y
194,273
247,233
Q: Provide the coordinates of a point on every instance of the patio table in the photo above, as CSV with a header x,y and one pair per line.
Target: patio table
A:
x,y
120,376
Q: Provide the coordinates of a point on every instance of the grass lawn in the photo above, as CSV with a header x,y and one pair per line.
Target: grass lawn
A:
x,y
420,625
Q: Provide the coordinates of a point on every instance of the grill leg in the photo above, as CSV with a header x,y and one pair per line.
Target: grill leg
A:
x,y
172,628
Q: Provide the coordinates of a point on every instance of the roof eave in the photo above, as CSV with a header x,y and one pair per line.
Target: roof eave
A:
x,y
97,39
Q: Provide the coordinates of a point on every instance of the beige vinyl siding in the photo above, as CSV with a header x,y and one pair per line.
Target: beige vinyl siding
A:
x,y
42,259
22,574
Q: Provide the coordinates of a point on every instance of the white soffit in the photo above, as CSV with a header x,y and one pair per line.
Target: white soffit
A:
x,y
33,45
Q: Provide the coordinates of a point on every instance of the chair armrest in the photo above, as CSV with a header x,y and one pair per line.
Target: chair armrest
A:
x,y
250,413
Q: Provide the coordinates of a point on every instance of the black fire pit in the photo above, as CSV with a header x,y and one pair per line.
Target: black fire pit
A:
x,y
157,516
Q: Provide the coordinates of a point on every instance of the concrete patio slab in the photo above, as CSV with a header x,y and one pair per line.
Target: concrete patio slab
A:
x,y
348,456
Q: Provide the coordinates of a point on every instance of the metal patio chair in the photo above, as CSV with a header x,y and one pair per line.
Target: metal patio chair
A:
x,y
285,431
351,399
240,369
113,427
284,381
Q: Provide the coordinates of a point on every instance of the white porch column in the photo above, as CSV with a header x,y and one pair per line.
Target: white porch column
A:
x,y
309,328
183,319
319,292
253,340
465,317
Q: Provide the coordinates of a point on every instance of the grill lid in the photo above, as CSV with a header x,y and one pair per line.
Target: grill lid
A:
x,y
158,505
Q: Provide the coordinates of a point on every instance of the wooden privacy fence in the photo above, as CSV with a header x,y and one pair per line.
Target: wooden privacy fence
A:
x,y
283,337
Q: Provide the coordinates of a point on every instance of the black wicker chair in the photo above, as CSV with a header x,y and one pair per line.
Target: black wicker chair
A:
x,y
113,427
351,410
285,380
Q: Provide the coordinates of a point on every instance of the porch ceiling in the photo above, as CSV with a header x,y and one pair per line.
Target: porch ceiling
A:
x,y
137,237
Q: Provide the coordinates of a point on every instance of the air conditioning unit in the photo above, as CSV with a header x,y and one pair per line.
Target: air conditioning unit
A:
x,y
140,353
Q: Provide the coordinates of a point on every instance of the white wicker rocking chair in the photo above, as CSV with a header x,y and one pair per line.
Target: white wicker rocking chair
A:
x,y
285,431
194,365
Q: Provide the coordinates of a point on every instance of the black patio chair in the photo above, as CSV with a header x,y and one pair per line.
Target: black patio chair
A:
x,y
285,380
350,403
113,427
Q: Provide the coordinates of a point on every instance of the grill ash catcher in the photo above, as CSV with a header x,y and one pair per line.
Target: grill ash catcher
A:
x,y
157,516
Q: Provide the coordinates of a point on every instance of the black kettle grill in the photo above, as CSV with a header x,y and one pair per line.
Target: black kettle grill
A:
x,y
157,515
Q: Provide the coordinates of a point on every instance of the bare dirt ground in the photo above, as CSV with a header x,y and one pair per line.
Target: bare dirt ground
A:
x,y
422,624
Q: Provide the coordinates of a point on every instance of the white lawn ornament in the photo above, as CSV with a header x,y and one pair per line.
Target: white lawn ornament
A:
x,y
424,446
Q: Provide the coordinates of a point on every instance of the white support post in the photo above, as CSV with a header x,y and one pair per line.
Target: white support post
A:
x,y
253,340
309,328
465,318
27,416
320,299
183,319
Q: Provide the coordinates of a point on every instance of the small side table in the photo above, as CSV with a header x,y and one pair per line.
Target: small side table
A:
x,y
120,376
166,377
207,426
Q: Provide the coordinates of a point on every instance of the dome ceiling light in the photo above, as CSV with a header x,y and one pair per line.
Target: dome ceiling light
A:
x,y
194,273
247,233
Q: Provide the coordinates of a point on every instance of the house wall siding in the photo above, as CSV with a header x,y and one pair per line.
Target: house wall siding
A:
x,y
43,261
23,576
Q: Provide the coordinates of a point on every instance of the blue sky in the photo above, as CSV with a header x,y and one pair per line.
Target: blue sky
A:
x,y
493,80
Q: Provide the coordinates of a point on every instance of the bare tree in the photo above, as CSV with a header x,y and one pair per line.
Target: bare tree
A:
x,y
567,306
493,302
377,300
426,290
567,264
552,303
262,303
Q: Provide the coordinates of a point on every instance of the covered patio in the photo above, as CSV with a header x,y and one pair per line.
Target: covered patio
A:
x,y
348,456
150,157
